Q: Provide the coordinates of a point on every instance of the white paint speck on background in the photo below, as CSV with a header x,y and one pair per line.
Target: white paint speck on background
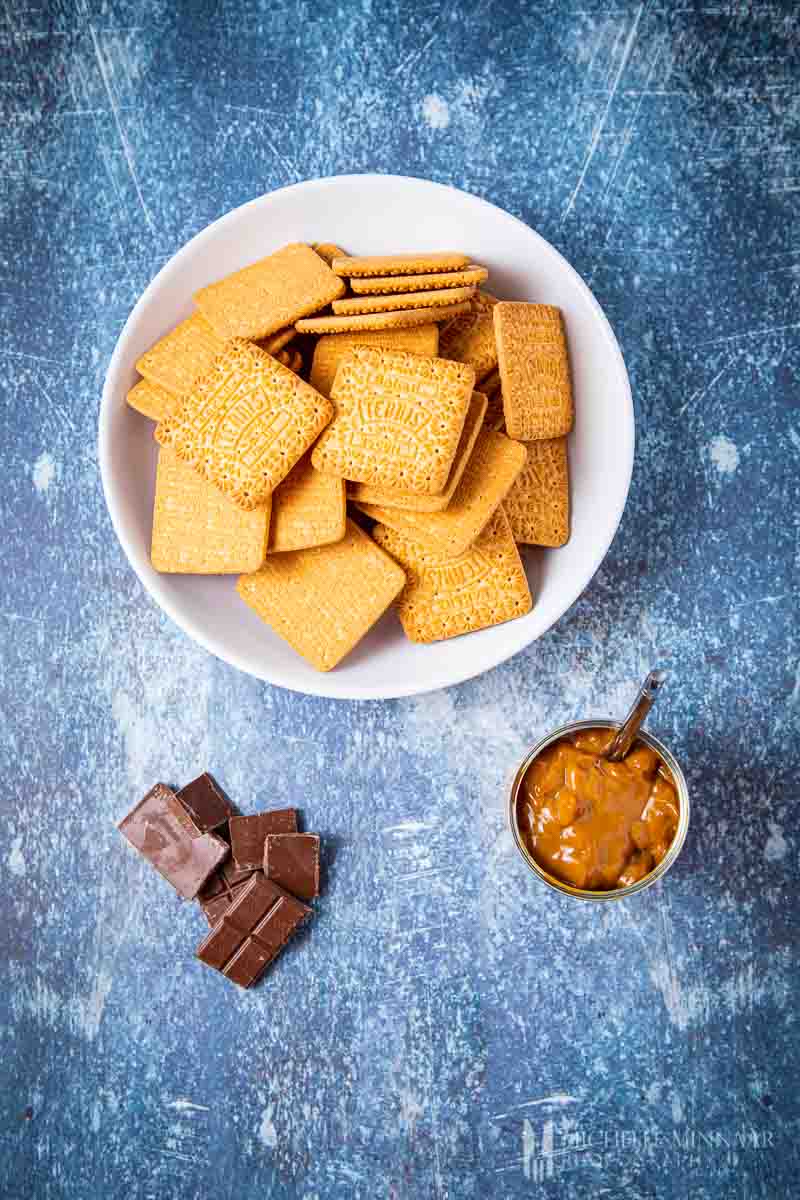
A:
x,y
435,112
89,1010
266,1131
187,1106
44,472
724,454
776,844
15,860
411,1109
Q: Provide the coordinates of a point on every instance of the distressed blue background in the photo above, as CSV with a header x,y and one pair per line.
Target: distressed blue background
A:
x,y
447,1028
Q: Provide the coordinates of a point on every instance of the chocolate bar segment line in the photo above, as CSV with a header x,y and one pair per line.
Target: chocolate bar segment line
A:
x,y
218,895
252,932
265,942
163,832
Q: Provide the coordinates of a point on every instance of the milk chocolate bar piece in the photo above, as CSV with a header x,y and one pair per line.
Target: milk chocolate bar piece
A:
x,y
205,803
162,830
252,931
248,834
292,861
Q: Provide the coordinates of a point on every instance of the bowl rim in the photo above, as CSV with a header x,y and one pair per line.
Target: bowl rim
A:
x,y
435,680
684,814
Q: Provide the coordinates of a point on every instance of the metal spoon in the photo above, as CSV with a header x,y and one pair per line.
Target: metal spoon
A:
x,y
641,707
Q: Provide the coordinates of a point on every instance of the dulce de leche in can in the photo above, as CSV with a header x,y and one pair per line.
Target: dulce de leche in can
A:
x,y
597,825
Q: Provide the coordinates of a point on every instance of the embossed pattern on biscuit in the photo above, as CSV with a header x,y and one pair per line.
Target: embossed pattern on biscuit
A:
x,y
538,502
398,422
445,597
470,338
246,423
364,493
534,370
492,468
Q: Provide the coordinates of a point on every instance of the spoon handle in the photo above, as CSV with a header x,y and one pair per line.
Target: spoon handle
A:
x,y
641,707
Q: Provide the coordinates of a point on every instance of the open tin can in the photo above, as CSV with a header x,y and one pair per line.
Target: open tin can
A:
x,y
677,842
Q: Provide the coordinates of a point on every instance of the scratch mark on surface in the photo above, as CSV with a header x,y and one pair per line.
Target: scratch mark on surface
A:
x,y
559,1098
413,58
53,362
267,1133
794,699
600,126
289,164
9,616
766,332
126,149
701,392
628,131
253,108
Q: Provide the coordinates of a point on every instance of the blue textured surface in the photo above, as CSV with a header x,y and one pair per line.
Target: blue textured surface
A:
x,y
447,1028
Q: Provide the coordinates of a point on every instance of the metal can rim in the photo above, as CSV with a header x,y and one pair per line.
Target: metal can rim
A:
x,y
677,842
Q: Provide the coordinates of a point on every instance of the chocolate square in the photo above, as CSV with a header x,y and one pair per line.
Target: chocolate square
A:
x,y
248,834
205,803
292,861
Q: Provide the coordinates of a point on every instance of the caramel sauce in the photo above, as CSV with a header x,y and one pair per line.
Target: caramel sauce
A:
x,y
595,824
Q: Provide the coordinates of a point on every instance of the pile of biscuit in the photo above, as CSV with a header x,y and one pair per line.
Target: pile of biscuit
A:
x,y
438,413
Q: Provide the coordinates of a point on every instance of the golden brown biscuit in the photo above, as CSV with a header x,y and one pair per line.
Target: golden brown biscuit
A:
x,y
400,264
445,597
322,601
197,530
391,498
470,337
398,419
534,369
537,505
269,294
245,423
391,320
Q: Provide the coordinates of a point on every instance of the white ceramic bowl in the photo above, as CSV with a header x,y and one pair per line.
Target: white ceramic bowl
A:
x,y
372,214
